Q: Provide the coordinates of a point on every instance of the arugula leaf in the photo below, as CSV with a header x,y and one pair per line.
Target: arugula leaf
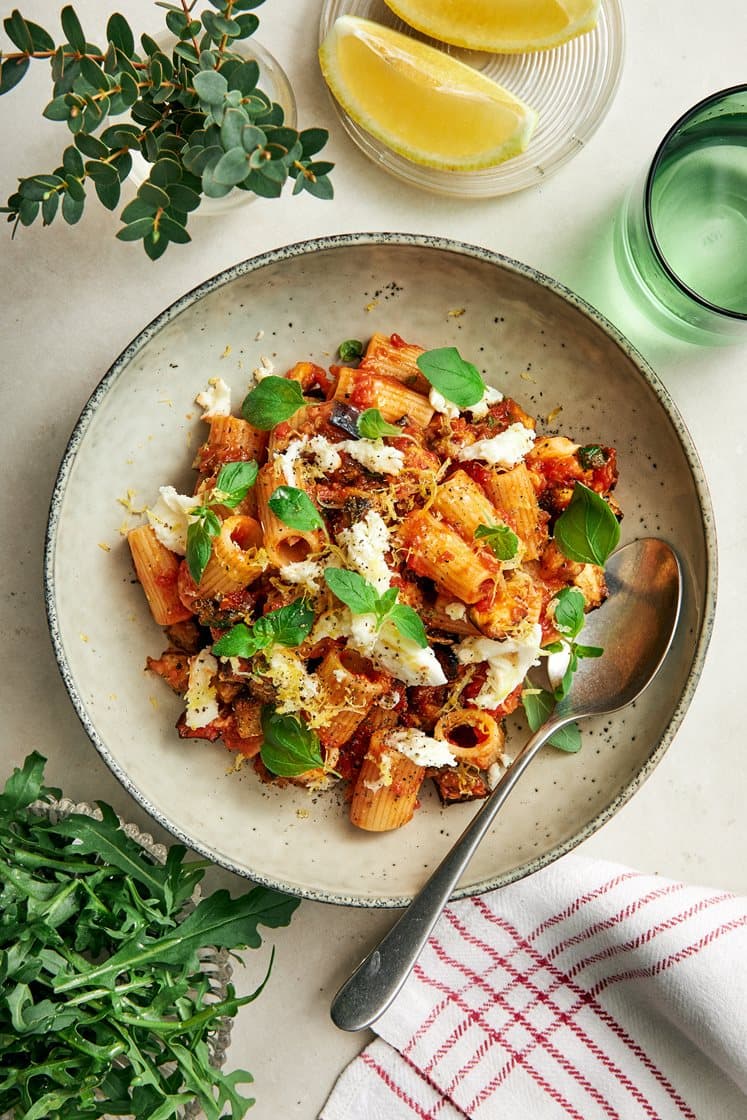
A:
x,y
538,707
104,1005
234,482
288,625
502,540
289,748
25,785
363,598
372,425
350,349
453,377
270,402
295,508
587,531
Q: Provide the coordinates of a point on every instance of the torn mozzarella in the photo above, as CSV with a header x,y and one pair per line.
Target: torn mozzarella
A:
x,y
170,518
374,455
215,400
504,450
420,748
439,402
508,663
201,698
480,410
366,544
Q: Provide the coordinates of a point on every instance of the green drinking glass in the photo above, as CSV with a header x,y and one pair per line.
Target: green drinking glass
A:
x,y
680,238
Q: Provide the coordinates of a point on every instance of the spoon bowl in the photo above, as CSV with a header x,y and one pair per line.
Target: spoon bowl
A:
x,y
635,628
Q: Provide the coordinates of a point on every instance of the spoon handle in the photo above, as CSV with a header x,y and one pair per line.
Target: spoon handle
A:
x,y
377,979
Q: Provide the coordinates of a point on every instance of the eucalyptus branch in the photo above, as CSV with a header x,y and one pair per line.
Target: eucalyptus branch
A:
x,y
195,113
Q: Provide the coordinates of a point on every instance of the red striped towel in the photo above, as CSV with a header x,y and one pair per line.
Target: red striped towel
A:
x,y
587,990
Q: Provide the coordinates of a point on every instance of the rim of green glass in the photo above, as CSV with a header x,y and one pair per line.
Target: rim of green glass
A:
x,y
725,312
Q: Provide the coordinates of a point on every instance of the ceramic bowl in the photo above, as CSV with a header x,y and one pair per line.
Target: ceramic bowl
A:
x,y
537,342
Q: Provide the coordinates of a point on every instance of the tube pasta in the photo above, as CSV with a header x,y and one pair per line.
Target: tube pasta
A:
x,y
513,493
386,792
402,666
393,399
438,552
351,686
157,570
391,356
473,735
237,558
283,544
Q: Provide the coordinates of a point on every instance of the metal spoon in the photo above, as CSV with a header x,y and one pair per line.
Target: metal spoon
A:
x,y
635,627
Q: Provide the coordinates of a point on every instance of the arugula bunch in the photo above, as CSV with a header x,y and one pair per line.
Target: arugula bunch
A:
x,y
104,1006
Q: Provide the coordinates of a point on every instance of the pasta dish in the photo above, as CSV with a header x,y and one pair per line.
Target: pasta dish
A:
x,y
373,558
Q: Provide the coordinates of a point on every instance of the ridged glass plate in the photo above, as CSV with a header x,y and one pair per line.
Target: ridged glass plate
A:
x,y
571,87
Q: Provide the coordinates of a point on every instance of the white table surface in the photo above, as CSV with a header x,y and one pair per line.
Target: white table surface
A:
x,y
73,298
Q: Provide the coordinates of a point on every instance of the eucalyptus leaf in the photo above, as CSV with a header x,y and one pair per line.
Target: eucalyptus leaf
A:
x,y
72,29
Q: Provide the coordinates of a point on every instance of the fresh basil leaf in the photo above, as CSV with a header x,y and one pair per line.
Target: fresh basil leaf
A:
x,y
239,641
353,590
568,612
451,376
588,651
289,748
295,509
291,623
561,690
372,425
350,349
502,540
234,482
409,624
199,547
287,625
587,531
275,399
538,707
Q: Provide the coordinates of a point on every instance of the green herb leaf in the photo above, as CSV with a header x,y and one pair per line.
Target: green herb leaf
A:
x,y
234,482
568,611
289,748
538,707
502,540
372,425
587,531
453,377
199,548
409,624
352,590
105,995
591,457
295,509
351,348
270,402
288,625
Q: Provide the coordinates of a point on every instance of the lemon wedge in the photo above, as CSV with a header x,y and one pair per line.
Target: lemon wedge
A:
x,y
502,26
421,102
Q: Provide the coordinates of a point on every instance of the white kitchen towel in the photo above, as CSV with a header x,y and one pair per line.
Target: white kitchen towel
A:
x,y
588,990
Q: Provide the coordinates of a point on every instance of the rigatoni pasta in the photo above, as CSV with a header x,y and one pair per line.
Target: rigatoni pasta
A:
x,y
374,557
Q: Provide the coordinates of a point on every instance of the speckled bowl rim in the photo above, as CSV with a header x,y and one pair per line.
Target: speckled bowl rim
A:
x,y
351,241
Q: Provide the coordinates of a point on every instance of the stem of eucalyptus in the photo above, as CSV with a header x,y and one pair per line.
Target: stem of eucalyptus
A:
x,y
196,114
